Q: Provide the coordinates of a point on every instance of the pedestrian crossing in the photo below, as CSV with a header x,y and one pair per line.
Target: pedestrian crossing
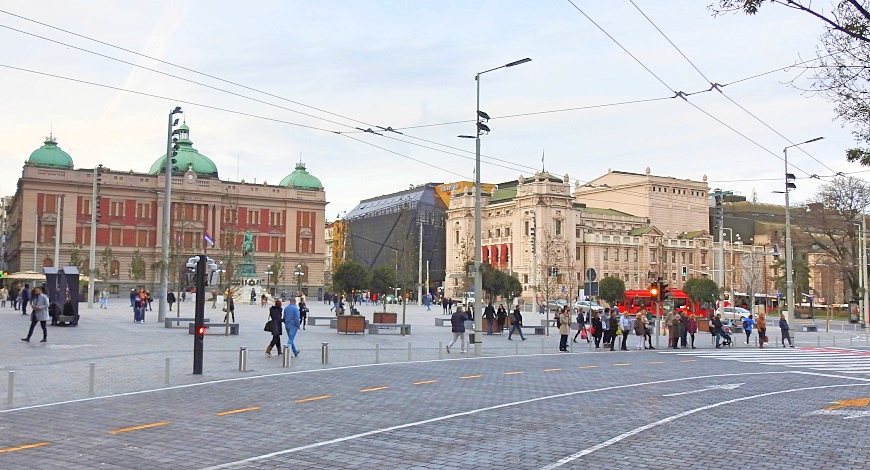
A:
x,y
843,361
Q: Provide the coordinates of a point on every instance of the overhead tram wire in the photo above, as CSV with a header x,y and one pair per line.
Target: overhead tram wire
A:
x,y
82,36
677,93
225,110
717,87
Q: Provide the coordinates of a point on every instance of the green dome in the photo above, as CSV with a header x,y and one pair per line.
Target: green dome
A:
x,y
301,179
50,155
187,157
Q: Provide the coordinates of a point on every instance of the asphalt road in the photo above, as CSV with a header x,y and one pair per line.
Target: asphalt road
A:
x,y
646,409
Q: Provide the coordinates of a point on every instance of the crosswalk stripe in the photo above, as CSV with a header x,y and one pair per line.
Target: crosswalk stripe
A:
x,y
840,360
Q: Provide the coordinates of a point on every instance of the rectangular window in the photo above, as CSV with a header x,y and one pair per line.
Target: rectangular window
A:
x,y
673,276
142,238
115,237
117,209
704,257
143,211
275,244
254,217
86,206
50,203
626,255
652,255
456,238
691,257
48,233
525,278
526,227
276,218
230,216
683,257
578,253
604,252
673,257
558,228
498,233
635,255
306,246
507,231
616,254
578,232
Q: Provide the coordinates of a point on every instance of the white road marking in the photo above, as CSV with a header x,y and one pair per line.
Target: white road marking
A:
x,y
707,389
677,416
351,437
845,361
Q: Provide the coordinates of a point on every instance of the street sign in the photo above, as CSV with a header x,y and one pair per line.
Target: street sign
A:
x,y
563,289
591,275
591,289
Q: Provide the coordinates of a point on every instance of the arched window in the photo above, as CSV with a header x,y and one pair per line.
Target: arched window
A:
x,y
47,263
115,271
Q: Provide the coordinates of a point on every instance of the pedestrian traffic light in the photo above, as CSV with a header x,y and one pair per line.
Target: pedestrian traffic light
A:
x,y
554,271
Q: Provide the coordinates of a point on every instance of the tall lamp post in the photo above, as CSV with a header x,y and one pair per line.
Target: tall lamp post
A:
x,y
299,273
478,223
268,281
789,276
167,209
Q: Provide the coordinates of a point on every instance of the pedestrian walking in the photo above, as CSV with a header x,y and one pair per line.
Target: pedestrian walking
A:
x,y
4,294
613,327
640,324
183,295
500,318
675,328
104,298
303,313
692,328
605,328
170,298
516,323
253,296
38,314
563,322
581,327
597,329
291,323
684,335
13,295
336,300
427,299
784,329
450,306
650,326
457,323
263,299
762,330
230,308
132,298
148,299
748,323
716,329
24,298
275,320
489,316
626,325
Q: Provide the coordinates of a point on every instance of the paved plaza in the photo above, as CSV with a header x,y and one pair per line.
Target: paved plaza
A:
x,y
380,404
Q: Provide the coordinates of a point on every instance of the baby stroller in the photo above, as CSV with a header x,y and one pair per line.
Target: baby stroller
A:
x,y
726,335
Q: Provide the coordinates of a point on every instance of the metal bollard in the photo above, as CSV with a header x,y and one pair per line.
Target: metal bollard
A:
x,y
440,347
10,391
91,379
324,352
409,351
378,353
288,356
243,358
166,377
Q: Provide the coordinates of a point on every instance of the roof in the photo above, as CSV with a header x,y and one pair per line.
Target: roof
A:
x,y
636,232
598,210
50,155
301,179
503,194
186,158
410,198
692,234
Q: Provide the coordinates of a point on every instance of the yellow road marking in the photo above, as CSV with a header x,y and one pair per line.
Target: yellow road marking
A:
x,y
322,397
587,367
26,446
373,389
689,360
472,376
423,382
655,362
136,428
240,410
622,364
513,373
551,370
855,402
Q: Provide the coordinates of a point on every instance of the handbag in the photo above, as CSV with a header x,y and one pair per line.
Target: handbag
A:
x,y
583,334
592,330
268,326
764,339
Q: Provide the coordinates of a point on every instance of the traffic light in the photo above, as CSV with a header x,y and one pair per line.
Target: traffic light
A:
x,y
200,331
532,233
654,291
554,271
663,290
97,207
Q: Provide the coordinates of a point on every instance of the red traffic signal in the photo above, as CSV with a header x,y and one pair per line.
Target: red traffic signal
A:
x,y
654,291
200,330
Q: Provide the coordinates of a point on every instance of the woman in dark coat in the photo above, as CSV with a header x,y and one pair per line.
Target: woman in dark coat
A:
x,y
596,327
500,318
277,325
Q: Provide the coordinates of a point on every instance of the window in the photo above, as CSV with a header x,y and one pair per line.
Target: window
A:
x,y
489,233
50,203
704,257
48,232
86,206
525,278
115,270
635,255
253,217
115,237
673,257
230,216
578,232
142,238
691,257
456,240
526,227
616,254
673,276
558,228
507,231
626,255
275,244
498,233
116,209
578,253
143,211
276,218
683,257
605,253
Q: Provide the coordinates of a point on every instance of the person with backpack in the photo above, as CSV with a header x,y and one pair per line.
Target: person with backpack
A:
x,y
516,323
748,323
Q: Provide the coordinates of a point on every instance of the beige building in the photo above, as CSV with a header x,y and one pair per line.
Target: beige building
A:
x,y
53,206
533,225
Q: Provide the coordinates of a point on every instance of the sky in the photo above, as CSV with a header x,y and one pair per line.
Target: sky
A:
x,y
328,67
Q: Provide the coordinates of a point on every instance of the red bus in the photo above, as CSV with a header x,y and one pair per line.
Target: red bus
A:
x,y
634,299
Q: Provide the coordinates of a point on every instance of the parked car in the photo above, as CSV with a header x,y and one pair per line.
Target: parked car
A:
x,y
734,313
587,306
556,304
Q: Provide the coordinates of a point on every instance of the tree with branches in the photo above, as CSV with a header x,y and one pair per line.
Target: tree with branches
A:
x,y
840,72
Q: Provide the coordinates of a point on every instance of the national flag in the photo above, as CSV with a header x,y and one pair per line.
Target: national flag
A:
x,y
208,238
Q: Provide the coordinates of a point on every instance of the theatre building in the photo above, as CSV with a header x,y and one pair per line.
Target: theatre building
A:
x,y
51,212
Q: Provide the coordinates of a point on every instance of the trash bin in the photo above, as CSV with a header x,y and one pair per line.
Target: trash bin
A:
x,y
471,338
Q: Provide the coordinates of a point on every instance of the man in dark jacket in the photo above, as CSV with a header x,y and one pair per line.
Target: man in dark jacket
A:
x,y
516,323
457,321
489,316
25,298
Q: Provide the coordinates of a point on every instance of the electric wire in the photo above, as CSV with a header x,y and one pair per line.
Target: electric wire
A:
x,y
717,87
678,93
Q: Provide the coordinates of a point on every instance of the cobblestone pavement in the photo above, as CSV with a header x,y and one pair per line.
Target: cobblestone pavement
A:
x,y
637,409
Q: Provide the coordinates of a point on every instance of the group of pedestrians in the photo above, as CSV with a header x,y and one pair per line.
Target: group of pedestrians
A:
x,y
493,317
141,302
288,318
18,296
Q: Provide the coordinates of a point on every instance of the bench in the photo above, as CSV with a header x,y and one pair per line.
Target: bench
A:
x,y
220,328
809,328
168,322
374,328
539,330
311,320
442,321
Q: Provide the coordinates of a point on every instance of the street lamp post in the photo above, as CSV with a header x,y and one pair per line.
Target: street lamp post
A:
x,y
167,209
789,276
299,273
478,223
268,281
